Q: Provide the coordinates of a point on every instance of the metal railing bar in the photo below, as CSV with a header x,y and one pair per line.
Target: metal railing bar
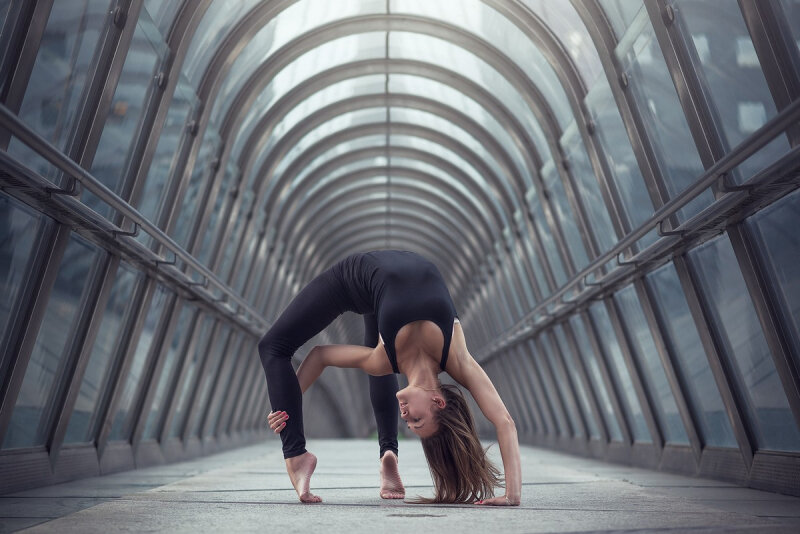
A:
x,y
54,156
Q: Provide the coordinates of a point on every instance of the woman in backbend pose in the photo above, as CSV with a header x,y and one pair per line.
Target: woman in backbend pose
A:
x,y
410,328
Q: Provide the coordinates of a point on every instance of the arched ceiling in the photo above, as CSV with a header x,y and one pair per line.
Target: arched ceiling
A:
x,y
388,123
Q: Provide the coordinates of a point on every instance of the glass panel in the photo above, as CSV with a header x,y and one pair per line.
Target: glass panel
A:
x,y
221,204
619,154
619,373
691,364
545,235
595,376
50,356
588,188
621,13
791,13
127,110
779,242
231,361
740,332
212,369
330,94
137,372
56,86
164,159
204,170
19,226
158,407
287,26
571,364
403,45
653,375
81,427
563,387
662,116
163,13
565,214
218,20
566,24
730,68
491,26
193,361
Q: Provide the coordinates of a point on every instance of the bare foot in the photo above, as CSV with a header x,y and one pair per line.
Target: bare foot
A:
x,y
300,469
391,485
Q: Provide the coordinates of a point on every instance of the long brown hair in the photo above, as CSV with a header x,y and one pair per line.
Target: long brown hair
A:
x,y
459,467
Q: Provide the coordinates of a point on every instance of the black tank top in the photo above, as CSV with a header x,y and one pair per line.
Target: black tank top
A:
x,y
399,287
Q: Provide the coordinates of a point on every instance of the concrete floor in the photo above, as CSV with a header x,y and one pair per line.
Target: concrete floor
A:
x,y
247,490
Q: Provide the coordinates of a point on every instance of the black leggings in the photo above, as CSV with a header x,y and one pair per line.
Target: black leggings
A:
x,y
314,308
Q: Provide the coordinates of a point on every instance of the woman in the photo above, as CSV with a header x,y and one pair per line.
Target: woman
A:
x,y
410,321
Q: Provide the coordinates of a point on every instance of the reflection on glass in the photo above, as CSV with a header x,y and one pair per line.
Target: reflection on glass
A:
x,y
212,369
731,70
190,207
619,154
163,163
571,364
221,204
745,347
619,373
588,189
82,426
167,375
691,363
776,226
563,387
621,13
19,226
193,360
57,80
663,117
217,21
545,235
232,360
595,377
644,350
35,404
565,214
567,26
163,13
123,122
791,14
138,370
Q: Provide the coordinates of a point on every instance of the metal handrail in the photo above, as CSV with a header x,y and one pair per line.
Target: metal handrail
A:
x,y
789,116
56,157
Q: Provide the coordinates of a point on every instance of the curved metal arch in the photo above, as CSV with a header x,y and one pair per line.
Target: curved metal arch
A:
x,y
479,190
287,205
323,115
315,37
367,188
352,181
478,212
405,230
373,211
400,128
306,88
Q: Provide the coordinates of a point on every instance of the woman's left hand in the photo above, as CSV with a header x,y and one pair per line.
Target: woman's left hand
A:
x,y
499,501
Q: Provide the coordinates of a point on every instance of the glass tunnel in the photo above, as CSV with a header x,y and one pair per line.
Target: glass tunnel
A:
x,y
607,186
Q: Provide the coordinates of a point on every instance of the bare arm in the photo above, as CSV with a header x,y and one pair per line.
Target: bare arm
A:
x,y
471,375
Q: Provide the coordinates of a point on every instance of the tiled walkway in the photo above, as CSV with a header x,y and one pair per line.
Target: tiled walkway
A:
x,y
247,490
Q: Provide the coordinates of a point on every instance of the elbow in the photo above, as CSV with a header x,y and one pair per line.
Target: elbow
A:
x,y
507,423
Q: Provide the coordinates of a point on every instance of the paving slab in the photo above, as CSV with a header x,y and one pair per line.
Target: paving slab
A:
x,y
247,490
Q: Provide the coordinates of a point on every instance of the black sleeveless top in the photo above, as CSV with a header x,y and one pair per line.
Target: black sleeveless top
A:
x,y
399,287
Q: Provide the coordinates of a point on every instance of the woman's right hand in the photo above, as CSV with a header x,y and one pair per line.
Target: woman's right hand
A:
x,y
277,421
